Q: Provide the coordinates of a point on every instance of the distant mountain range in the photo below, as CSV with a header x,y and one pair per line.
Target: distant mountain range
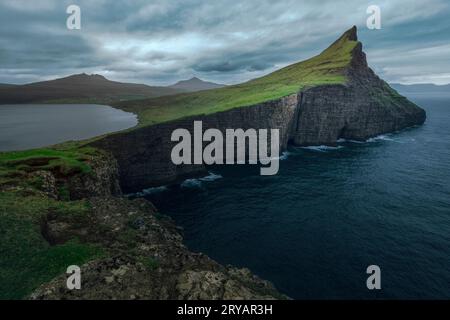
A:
x,y
84,88
421,88
195,84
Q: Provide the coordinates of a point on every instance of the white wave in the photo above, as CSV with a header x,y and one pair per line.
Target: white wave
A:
x,y
342,140
148,191
211,177
191,183
322,148
381,137
284,155
197,183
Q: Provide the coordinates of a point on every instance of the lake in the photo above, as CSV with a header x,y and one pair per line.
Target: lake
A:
x,y
314,228
37,125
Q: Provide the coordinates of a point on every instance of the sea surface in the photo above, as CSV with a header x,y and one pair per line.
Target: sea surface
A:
x,y
314,228
37,125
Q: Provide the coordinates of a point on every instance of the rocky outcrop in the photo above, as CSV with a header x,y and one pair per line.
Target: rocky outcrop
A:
x,y
363,107
102,181
145,259
143,253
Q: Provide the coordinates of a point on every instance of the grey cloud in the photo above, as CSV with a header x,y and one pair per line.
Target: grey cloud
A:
x,y
228,41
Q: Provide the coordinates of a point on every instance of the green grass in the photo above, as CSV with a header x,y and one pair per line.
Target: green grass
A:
x,y
27,260
62,162
326,68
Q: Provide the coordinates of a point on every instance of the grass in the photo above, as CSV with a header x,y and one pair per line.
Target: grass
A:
x,y
27,260
325,68
64,162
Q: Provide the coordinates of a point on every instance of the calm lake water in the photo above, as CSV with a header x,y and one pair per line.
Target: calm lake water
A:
x,y
38,125
314,228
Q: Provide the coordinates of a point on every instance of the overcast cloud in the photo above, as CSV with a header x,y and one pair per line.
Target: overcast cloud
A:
x,y
161,42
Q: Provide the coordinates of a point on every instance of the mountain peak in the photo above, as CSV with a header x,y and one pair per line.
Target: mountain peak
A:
x,y
348,39
351,34
88,76
347,47
195,84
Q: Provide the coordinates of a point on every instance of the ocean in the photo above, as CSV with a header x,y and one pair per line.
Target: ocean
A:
x,y
315,227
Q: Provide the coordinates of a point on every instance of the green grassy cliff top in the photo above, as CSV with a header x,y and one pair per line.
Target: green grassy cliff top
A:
x,y
325,68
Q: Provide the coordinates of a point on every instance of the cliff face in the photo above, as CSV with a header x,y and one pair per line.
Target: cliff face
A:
x,y
362,107
143,254
144,154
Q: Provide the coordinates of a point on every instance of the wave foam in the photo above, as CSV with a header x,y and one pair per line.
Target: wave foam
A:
x,y
381,137
197,183
342,140
191,183
211,177
148,191
322,148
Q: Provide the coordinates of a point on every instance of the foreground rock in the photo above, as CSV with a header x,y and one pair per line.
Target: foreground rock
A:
x,y
144,256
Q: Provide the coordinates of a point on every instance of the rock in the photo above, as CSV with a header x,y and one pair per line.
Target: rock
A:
x,y
149,262
47,182
103,181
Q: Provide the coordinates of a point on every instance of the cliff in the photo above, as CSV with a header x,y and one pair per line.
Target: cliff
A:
x,y
328,97
61,207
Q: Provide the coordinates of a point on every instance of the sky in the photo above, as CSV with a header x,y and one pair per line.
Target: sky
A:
x,y
225,41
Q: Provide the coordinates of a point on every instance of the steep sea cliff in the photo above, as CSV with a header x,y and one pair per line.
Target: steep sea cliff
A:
x,y
362,107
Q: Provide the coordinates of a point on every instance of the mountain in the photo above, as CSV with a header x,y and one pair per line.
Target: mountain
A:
x,y
332,96
79,88
341,69
195,84
423,88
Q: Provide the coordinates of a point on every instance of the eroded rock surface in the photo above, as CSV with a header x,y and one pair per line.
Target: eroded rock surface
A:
x,y
146,259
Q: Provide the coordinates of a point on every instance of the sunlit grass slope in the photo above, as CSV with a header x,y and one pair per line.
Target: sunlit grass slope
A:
x,y
325,68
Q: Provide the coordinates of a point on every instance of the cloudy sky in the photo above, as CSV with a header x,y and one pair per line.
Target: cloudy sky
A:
x,y
161,42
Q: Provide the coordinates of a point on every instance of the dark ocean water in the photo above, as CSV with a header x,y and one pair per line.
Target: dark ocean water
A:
x,y
38,125
329,213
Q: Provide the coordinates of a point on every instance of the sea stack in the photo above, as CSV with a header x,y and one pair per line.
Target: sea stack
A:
x,y
362,107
